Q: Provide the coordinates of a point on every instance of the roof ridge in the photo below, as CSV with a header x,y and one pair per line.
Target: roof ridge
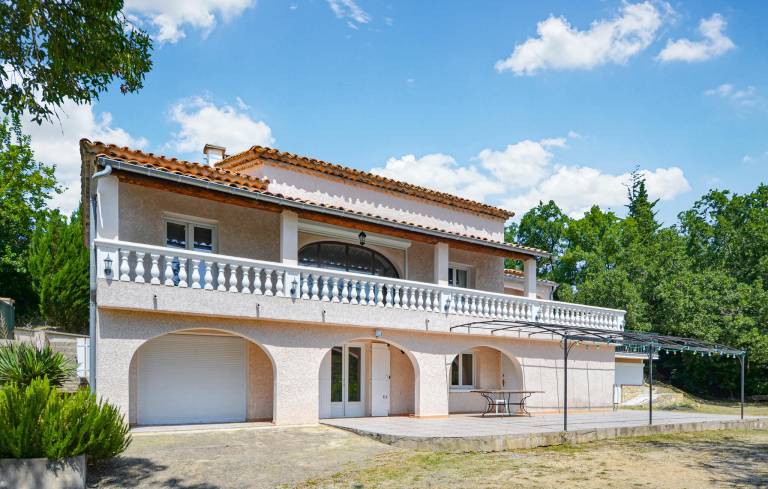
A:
x,y
243,160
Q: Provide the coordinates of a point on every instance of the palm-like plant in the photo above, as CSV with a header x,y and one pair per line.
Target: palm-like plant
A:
x,y
22,362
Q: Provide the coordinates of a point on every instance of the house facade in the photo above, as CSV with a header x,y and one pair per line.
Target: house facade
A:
x,y
270,286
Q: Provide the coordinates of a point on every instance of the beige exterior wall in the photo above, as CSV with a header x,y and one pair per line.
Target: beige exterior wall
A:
x,y
242,231
402,384
261,381
296,351
487,271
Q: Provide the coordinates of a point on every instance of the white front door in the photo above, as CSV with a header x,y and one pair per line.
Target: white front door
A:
x,y
379,379
346,382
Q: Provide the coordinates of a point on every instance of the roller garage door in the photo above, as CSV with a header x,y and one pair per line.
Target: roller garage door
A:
x,y
185,378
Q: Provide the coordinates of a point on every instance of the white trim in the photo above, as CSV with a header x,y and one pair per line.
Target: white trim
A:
x,y
351,235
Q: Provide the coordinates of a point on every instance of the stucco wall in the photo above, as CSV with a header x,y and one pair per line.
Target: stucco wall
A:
x,y
421,262
242,231
401,385
260,384
487,270
297,350
333,191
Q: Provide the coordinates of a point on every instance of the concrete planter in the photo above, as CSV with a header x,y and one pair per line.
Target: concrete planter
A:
x,y
41,473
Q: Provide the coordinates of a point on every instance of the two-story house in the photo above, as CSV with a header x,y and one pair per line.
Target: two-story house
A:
x,y
270,286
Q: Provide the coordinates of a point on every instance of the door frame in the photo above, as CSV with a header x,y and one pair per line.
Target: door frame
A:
x,y
346,408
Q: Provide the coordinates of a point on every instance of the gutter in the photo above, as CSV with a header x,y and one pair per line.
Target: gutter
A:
x,y
92,302
186,180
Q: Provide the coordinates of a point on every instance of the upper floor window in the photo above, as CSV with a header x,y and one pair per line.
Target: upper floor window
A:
x,y
458,276
347,257
190,235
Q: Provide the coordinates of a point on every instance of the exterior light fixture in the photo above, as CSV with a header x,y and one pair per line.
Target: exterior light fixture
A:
x,y
107,266
361,237
378,333
294,287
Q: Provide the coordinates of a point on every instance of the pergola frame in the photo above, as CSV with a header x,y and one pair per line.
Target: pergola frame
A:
x,y
649,343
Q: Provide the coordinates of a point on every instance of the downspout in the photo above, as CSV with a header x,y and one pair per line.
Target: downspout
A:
x,y
92,302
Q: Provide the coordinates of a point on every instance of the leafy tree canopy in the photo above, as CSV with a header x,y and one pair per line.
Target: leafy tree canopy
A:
x,y
53,51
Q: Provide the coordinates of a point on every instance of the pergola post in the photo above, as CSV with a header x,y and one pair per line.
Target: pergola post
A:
x,y
741,360
650,385
565,383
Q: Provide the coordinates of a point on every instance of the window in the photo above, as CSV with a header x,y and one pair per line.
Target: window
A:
x,y
347,257
458,277
463,371
190,235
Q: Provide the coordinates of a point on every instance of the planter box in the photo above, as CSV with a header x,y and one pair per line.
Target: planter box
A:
x,y
41,473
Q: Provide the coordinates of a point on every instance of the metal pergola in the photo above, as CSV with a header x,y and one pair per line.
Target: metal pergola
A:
x,y
629,341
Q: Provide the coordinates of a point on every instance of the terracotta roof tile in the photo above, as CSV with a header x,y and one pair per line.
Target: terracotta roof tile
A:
x,y
256,154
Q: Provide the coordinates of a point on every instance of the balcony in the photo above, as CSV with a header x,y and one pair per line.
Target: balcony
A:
x,y
232,283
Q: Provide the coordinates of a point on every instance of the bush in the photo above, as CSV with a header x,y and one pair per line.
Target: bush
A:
x,y
40,421
21,363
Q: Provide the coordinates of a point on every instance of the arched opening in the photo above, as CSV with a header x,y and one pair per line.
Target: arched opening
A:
x,y
347,257
200,376
481,367
367,377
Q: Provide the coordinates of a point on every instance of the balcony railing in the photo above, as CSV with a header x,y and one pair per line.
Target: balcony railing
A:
x,y
173,267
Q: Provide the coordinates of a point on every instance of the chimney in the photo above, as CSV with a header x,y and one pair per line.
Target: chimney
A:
x,y
213,153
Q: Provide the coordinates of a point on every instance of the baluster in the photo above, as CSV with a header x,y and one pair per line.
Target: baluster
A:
x,y
125,270
325,295
344,291
397,297
246,282
183,272
419,303
154,269
280,286
195,274
334,289
406,299
354,289
428,306
387,295
139,278
363,292
168,274
268,282
220,280
233,278
304,279
257,281
379,294
412,298
209,275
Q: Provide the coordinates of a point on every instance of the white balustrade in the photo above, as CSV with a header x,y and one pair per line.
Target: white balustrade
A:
x,y
311,284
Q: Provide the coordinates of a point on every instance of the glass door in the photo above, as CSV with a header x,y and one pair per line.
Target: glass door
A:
x,y
348,380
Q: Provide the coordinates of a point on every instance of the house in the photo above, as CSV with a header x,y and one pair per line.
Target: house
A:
x,y
270,286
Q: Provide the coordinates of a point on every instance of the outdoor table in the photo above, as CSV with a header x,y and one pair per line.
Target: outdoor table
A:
x,y
502,397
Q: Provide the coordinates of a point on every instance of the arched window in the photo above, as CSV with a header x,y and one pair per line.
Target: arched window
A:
x,y
348,257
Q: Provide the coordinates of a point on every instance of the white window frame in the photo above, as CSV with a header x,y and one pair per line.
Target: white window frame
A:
x,y
463,387
189,224
460,266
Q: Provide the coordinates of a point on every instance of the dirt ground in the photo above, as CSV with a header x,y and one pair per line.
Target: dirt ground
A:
x,y
695,461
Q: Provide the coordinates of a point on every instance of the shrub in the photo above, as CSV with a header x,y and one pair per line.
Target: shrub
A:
x,y
40,421
22,362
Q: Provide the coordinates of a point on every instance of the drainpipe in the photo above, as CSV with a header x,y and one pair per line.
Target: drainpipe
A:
x,y
92,302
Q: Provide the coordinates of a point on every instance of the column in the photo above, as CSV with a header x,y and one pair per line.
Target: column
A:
x,y
441,263
289,238
529,278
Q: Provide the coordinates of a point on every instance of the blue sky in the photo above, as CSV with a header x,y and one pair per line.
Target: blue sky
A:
x,y
507,102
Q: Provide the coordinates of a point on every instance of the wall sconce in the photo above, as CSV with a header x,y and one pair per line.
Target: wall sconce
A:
x,y
361,237
378,333
294,287
107,266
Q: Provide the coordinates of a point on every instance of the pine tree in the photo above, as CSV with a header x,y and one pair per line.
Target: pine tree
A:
x,y
641,208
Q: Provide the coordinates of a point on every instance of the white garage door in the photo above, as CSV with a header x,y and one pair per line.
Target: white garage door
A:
x,y
185,378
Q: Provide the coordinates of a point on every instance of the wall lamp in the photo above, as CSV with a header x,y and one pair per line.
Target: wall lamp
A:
x,y
362,237
107,266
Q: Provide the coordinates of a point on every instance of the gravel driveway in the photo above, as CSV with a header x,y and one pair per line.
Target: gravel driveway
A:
x,y
243,458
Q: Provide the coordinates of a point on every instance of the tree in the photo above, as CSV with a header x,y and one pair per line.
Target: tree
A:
x,y
641,208
54,51
58,265
544,227
25,187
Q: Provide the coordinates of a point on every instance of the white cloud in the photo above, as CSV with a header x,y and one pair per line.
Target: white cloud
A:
x,y
169,17
561,46
57,143
521,164
714,43
745,97
577,188
349,10
201,122
439,171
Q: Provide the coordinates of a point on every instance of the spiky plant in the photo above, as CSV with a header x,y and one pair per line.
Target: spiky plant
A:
x,y
22,362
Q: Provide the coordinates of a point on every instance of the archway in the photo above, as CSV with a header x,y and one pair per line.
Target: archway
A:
x,y
367,377
480,367
200,376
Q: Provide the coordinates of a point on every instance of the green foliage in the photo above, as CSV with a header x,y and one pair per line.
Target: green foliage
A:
x,y
21,363
39,421
58,265
704,278
25,187
54,51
